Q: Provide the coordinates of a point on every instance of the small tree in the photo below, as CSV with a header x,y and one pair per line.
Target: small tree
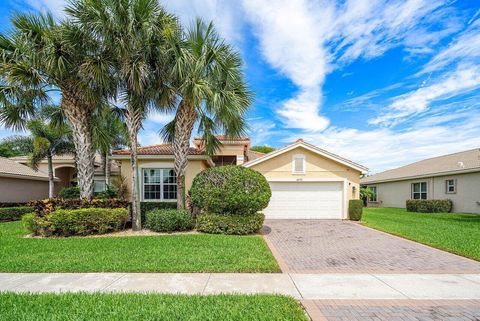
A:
x,y
262,149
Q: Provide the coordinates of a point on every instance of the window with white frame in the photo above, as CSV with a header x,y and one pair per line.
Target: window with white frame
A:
x,y
159,184
419,191
373,189
298,164
450,186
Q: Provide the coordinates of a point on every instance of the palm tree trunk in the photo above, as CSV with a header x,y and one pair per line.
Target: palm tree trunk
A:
x,y
103,162
108,168
79,120
184,122
133,119
51,179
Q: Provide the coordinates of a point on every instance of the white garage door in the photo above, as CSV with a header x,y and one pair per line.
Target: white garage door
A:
x,y
305,200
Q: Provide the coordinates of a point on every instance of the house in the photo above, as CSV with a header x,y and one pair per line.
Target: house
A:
x,y
64,170
454,176
306,181
20,183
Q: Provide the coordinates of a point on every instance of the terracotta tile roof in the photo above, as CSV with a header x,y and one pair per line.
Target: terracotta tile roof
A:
x,y
224,138
161,149
9,167
463,161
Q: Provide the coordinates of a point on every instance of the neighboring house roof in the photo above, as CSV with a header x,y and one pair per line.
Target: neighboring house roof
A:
x,y
252,155
312,148
160,149
12,169
461,162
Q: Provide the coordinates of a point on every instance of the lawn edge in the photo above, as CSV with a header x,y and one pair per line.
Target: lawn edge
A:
x,y
413,240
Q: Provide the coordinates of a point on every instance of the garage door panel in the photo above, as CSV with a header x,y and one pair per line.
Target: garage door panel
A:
x,y
312,200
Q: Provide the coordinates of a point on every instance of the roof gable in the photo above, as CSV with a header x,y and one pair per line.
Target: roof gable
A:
x,y
312,148
10,168
466,161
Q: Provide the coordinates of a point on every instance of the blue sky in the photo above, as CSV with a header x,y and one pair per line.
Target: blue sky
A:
x,y
383,83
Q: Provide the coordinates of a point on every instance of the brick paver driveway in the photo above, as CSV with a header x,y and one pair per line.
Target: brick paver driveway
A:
x,y
334,246
393,310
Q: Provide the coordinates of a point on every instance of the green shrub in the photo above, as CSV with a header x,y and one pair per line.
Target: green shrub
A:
x,y
230,190
355,210
14,213
43,207
28,221
149,206
169,220
230,224
429,206
83,221
109,192
69,193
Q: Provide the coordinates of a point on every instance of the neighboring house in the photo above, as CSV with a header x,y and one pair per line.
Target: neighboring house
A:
x,y
65,171
20,183
306,181
454,176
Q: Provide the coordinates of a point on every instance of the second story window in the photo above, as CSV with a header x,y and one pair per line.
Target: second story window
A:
x,y
298,164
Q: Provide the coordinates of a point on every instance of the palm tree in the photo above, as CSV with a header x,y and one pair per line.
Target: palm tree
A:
x,y
40,56
208,79
133,32
109,132
47,139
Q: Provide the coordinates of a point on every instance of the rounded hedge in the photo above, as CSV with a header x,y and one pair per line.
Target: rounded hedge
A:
x,y
230,190
355,210
169,220
230,224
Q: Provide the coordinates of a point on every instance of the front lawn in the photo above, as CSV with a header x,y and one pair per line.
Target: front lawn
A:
x,y
165,253
82,306
457,233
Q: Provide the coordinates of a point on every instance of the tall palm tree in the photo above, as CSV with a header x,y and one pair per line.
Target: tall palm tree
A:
x,y
208,79
39,56
133,31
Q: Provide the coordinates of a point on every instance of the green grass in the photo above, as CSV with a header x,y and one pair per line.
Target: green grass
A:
x,y
82,306
166,253
454,232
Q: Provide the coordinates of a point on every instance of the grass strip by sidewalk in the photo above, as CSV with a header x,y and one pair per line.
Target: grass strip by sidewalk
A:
x,y
164,253
166,307
458,233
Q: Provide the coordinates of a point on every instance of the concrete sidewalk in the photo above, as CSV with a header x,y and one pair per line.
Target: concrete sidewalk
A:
x,y
300,286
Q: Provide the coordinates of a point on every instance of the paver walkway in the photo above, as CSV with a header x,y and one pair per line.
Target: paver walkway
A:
x,y
393,310
300,286
333,246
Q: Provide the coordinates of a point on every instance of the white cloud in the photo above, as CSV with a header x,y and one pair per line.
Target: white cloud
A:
x,y
454,83
306,39
384,148
54,6
160,118
465,49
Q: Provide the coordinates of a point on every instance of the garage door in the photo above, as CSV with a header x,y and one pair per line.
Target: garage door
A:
x,y
305,200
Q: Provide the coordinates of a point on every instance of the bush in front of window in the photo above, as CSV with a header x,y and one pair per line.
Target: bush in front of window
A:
x,y
149,206
229,224
8,214
355,210
230,189
69,193
169,220
85,221
429,206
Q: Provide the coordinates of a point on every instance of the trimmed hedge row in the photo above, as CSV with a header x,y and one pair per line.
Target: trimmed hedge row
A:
x,y
83,221
169,220
8,214
230,224
355,210
13,204
429,206
43,207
